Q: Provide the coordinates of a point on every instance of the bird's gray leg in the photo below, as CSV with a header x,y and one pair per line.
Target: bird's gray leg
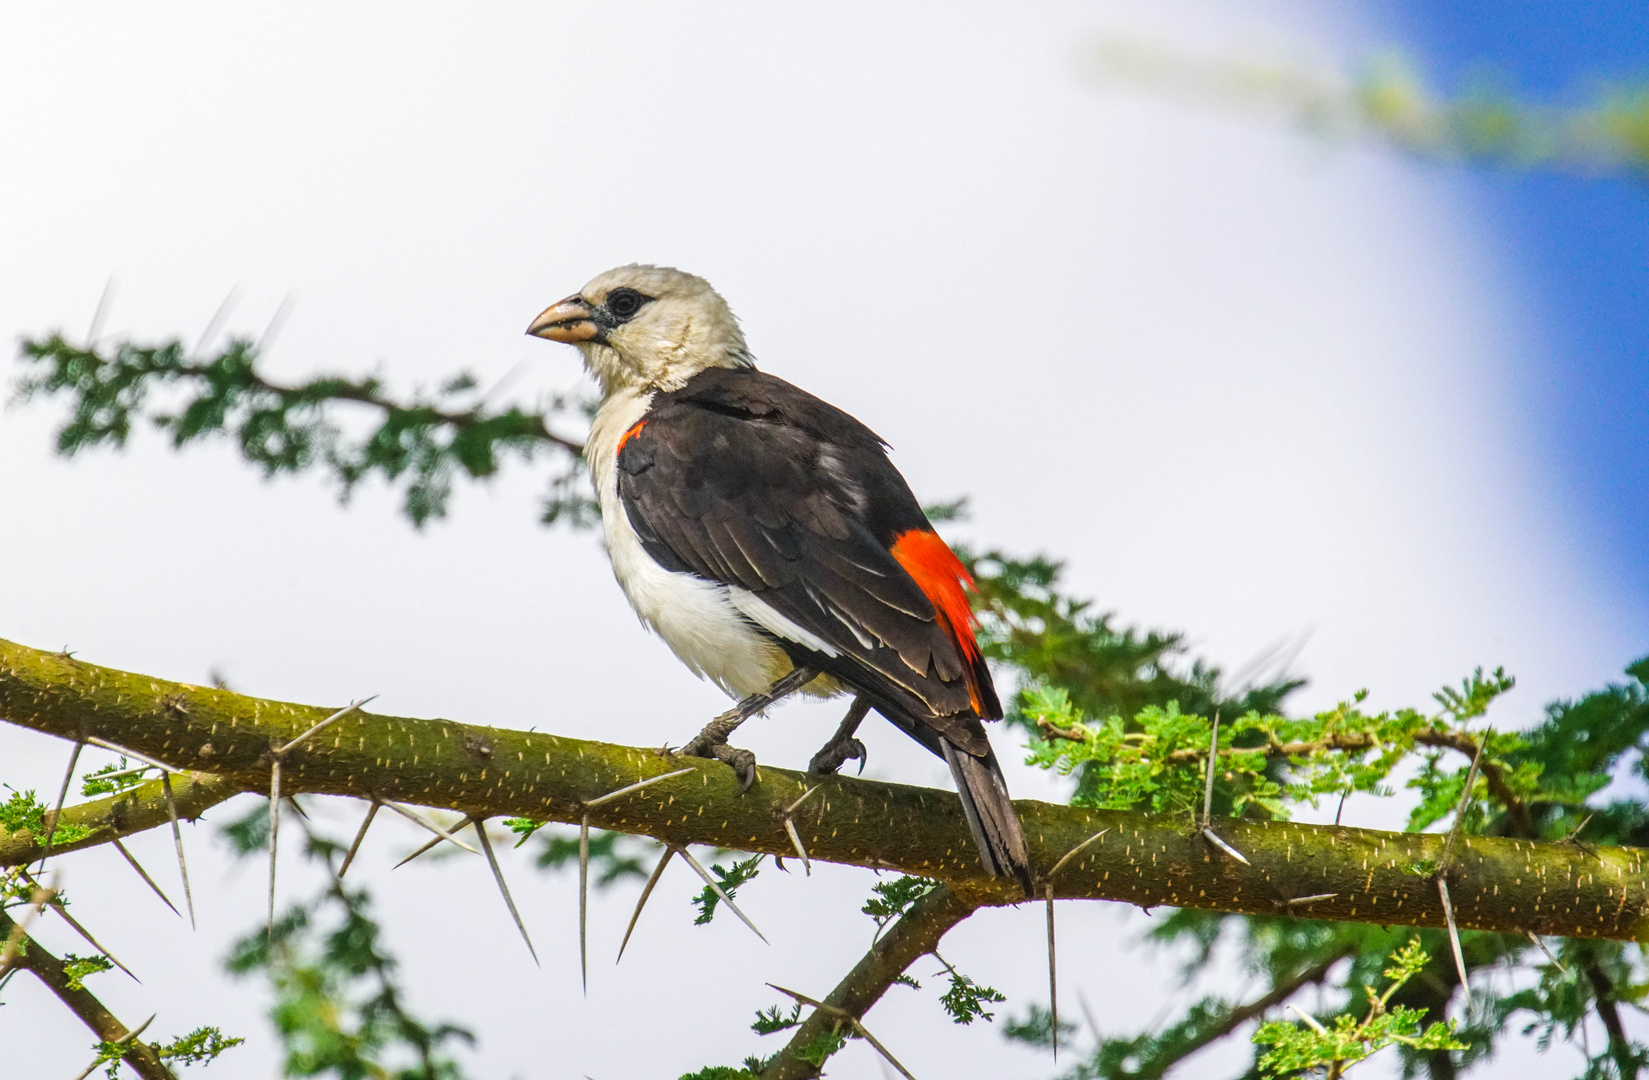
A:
x,y
712,741
843,747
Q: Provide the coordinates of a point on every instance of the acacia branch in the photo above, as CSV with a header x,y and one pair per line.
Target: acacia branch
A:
x,y
34,958
916,934
1356,875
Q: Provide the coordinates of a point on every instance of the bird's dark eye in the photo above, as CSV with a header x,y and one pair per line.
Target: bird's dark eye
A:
x,y
624,303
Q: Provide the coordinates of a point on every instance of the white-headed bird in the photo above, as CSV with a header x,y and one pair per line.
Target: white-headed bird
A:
x,y
767,538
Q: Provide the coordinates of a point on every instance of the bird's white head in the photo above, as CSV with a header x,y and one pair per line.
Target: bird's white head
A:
x,y
646,327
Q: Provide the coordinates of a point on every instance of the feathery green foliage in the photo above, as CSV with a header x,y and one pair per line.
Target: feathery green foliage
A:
x,y
338,1006
421,444
1299,1048
24,810
729,880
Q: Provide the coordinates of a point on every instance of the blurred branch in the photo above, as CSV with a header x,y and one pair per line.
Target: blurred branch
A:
x,y
33,958
1146,859
1390,102
423,441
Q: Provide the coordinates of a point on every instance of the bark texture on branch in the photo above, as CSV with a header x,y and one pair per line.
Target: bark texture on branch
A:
x,y
1367,876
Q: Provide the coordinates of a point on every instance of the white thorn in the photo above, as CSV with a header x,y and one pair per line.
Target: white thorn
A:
x,y
1223,846
412,815
591,804
177,841
498,876
807,864
353,706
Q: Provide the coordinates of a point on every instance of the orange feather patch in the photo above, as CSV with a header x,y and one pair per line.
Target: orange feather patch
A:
x,y
944,581
635,429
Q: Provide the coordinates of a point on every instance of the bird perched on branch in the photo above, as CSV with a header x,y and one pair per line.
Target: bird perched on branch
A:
x,y
767,538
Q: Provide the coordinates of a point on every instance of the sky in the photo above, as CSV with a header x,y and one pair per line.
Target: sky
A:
x,y
1245,384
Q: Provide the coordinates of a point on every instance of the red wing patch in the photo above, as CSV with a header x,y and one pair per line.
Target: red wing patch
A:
x,y
944,580
635,429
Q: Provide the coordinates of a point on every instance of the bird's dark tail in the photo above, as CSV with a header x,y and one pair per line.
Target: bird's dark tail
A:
x,y
990,814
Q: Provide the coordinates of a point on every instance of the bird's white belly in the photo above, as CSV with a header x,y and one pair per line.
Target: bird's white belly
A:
x,y
698,619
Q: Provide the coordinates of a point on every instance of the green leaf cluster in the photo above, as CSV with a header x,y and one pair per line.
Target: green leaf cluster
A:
x,y
77,968
1300,1048
965,1001
23,810
891,899
730,879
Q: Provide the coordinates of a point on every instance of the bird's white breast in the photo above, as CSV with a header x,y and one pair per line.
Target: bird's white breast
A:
x,y
700,620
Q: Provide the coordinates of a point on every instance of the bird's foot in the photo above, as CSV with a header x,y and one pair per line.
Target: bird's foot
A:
x,y
836,753
712,743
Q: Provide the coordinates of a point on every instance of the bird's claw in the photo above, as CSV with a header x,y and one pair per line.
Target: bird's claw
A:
x,y
742,762
832,756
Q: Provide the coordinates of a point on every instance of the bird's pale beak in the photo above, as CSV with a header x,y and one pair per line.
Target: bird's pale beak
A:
x,y
569,321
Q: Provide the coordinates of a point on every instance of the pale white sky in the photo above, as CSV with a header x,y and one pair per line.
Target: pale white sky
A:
x,y
1247,385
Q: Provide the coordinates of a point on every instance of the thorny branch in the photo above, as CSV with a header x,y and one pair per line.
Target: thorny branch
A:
x,y
34,958
916,934
1359,875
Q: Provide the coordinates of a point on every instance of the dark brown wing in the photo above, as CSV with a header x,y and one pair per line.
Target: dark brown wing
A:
x,y
741,478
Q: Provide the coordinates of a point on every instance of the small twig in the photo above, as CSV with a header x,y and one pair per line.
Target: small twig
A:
x,y
274,839
790,827
1447,859
144,874
1454,937
793,807
1315,898
584,903
353,706
57,814
1460,811
133,771
1208,784
124,1040
1223,846
795,838
117,748
1073,853
853,1021
1310,1020
719,891
498,876
440,833
177,842
1053,977
432,842
360,834
1549,954
602,800
658,872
